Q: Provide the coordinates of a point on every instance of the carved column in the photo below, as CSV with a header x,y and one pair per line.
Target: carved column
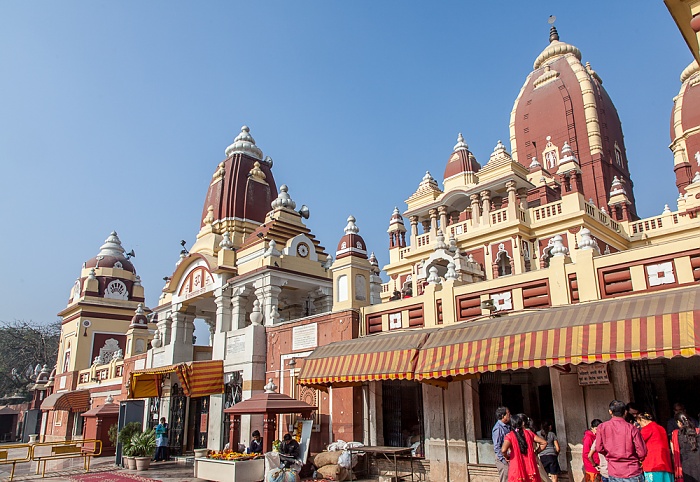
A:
x,y
512,200
442,210
165,329
574,181
426,226
182,326
222,298
485,207
475,209
433,223
239,301
414,230
268,297
522,194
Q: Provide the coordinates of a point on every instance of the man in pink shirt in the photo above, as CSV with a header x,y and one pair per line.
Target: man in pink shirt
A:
x,y
622,445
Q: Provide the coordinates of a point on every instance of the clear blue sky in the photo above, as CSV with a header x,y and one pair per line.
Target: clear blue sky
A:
x,y
114,115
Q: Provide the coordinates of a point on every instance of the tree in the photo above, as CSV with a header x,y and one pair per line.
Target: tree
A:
x,y
24,345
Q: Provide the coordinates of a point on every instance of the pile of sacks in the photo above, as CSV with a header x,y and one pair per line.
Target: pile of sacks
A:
x,y
335,463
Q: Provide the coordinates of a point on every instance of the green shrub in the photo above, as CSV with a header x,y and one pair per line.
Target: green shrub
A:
x,y
143,444
113,433
126,434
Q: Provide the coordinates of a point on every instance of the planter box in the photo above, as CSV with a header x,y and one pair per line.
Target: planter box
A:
x,y
229,470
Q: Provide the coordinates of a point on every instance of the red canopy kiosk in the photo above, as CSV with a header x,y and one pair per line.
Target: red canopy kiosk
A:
x,y
270,404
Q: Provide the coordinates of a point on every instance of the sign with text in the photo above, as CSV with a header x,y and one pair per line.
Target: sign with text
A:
x,y
305,337
235,344
596,374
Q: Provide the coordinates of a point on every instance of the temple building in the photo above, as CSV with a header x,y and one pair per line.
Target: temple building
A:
x,y
526,279
104,322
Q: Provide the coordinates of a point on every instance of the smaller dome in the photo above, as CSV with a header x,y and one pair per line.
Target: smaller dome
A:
x,y
396,222
244,144
283,200
139,320
461,160
555,49
352,243
111,255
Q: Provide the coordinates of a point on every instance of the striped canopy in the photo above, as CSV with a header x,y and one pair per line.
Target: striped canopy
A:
x,y
371,358
647,326
197,378
73,401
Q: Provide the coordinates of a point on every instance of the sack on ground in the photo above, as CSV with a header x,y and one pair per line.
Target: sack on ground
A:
x,y
335,472
344,459
326,458
283,475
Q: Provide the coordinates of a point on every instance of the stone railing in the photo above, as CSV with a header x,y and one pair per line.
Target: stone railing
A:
x,y
104,373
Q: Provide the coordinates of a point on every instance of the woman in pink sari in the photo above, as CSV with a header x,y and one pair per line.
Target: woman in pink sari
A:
x,y
519,448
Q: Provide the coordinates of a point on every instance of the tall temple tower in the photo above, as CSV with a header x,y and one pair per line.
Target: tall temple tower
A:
x,y
563,102
685,127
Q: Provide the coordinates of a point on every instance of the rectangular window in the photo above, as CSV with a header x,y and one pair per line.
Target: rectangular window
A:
x,y
78,425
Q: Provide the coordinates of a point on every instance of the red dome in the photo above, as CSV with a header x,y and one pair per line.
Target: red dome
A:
x,y
551,103
461,160
352,243
685,119
234,192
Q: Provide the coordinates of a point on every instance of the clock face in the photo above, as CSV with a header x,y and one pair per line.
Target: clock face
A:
x,y
302,250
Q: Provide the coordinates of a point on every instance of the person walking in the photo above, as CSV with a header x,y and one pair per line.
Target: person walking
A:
x,y
590,465
550,455
657,464
498,434
685,443
519,447
161,440
622,445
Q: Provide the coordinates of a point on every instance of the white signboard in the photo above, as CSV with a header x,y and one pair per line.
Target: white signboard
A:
x,y
305,337
235,344
395,321
158,359
596,374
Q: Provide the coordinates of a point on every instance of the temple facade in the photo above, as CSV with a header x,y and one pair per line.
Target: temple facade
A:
x,y
527,279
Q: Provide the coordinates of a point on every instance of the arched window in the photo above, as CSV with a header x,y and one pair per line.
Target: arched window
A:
x,y
66,358
360,287
342,288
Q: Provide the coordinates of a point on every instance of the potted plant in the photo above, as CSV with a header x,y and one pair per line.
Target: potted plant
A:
x,y
143,446
124,437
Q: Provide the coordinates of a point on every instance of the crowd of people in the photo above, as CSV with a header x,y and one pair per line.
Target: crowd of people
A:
x,y
629,447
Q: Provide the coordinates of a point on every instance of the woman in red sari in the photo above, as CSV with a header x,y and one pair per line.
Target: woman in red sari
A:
x,y
519,448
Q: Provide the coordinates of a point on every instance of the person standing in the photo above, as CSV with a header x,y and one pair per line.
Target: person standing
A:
x,y
657,464
519,446
161,440
622,445
498,434
671,424
685,442
590,467
601,464
550,455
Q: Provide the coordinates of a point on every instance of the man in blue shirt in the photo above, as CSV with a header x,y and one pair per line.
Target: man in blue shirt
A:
x,y
498,433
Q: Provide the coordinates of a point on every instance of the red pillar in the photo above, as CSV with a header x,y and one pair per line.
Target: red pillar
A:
x,y
269,430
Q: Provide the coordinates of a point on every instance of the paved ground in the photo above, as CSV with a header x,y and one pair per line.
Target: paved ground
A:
x,y
62,470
